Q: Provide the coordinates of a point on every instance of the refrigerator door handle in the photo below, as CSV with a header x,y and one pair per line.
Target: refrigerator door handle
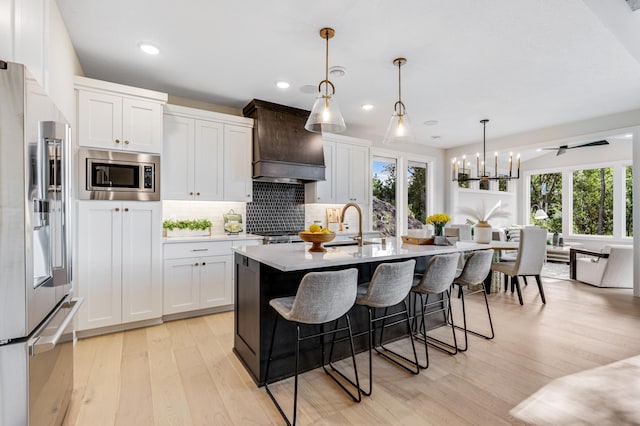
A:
x,y
44,344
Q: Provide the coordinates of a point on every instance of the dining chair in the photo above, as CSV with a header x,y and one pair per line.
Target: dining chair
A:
x,y
529,260
322,297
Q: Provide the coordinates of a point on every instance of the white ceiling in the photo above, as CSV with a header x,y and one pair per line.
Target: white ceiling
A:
x,y
525,65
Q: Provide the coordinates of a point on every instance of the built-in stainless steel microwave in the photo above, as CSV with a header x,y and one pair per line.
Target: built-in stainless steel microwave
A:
x,y
117,175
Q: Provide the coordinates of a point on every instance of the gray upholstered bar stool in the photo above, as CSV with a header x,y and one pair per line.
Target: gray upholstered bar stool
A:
x,y
436,280
389,287
322,297
476,269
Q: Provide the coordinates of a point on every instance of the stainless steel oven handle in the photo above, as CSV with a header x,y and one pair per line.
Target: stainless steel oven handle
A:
x,y
44,344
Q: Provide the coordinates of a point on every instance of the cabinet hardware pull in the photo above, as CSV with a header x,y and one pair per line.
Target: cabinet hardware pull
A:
x,y
199,249
197,193
191,193
117,140
117,209
126,209
126,142
196,264
203,263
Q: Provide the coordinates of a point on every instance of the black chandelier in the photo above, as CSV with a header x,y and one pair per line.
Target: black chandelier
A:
x,y
461,172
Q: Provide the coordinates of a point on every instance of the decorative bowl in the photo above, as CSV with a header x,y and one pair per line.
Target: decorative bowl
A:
x,y
316,240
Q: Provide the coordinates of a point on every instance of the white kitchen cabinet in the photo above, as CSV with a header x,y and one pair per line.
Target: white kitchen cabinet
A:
x,y
198,275
324,191
347,172
119,262
193,159
117,117
206,155
238,185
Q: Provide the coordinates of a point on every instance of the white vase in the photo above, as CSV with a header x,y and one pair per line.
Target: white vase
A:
x,y
482,233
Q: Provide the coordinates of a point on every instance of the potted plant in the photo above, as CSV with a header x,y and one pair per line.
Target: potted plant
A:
x,y
482,228
187,228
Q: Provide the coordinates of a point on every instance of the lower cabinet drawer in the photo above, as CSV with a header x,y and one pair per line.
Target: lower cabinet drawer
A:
x,y
182,250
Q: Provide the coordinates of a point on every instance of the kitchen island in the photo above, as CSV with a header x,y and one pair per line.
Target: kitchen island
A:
x,y
269,271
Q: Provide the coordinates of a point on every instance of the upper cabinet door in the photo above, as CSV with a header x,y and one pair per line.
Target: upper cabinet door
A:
x,y
141,125
99,120
237,163
177,158
342,173
359,174
208,160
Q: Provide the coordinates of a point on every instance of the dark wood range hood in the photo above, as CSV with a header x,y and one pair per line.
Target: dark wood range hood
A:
x,y
283,151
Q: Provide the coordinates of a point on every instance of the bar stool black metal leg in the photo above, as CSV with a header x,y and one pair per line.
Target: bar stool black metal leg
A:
x,y
446,309
356,384
266,378
413,362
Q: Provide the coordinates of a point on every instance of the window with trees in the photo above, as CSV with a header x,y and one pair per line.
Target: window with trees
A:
x,y
546,194
593,201
384,196
416,195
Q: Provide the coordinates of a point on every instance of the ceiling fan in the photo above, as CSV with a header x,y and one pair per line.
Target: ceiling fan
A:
x,y
563,148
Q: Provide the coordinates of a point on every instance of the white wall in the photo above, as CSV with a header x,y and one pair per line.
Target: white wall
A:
x,y
62,65
33,33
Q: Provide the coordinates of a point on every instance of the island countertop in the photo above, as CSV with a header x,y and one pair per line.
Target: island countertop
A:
x,y
296,256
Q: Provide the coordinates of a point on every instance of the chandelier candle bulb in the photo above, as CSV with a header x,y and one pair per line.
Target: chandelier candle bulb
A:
x,y
477,164
464,163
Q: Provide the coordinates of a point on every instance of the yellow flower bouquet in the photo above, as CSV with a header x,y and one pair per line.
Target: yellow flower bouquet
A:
x,y
438,220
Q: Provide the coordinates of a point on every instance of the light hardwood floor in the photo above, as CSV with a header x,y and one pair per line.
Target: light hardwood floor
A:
x,y
185,373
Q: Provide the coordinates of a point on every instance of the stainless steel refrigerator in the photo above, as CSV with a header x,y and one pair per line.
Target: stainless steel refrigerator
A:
x,y
36,307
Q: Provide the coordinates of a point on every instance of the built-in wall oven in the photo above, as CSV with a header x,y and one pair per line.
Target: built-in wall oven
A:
x,y
117,175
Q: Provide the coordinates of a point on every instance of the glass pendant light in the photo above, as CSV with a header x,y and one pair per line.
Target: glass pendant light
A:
x,y
325,115
399,130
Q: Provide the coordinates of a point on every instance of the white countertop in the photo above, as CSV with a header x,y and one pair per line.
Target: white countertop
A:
x,y
296,256
210,238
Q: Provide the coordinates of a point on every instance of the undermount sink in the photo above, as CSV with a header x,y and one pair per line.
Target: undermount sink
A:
x,y
347,243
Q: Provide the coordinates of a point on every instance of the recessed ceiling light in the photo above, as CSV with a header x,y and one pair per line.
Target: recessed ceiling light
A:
x,y
282,84
337,71
367,107
431,123
435,137
149,48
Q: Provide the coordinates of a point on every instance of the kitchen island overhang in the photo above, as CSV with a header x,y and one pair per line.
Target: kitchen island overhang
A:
x,y
262,273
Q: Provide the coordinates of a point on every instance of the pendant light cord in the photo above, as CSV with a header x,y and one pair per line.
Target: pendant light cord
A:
x,y
326,64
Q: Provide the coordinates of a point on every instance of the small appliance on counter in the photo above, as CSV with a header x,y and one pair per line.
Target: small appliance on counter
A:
x,y
232,222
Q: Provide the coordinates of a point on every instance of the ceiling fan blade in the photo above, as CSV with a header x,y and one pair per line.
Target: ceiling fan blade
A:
x,y
562,149
595,143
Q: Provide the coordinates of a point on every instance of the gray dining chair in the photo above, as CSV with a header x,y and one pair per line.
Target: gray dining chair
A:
x,y
476,269
322,297
435,281
529,261
389,287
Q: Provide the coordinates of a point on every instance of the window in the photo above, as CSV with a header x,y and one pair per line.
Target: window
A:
x,y
593,201
384,196
546,194
628,201
416,195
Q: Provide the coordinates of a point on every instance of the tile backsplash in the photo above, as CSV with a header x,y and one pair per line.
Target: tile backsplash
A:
x,y
276,207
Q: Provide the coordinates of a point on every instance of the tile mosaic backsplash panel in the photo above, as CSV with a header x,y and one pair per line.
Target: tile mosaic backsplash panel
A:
x,y
276,207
